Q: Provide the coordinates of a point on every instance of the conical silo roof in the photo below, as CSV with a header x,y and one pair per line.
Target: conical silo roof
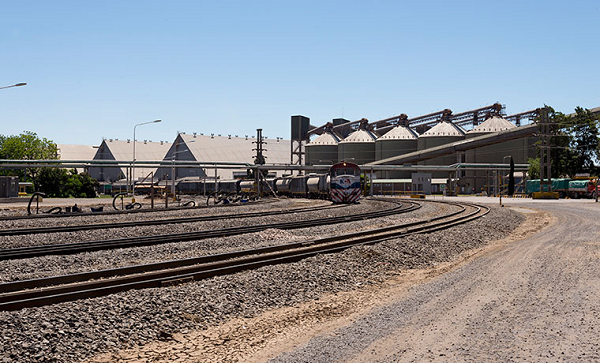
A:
x,y
326,138
493,124
444,129
400,132
360,136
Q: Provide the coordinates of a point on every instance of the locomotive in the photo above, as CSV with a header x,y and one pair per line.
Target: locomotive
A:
x,y
344,182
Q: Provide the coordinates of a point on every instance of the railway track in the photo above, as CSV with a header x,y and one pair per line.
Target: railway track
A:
x,y
154,222
88,246
38,292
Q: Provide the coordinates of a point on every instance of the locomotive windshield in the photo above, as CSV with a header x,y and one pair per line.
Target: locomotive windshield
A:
x,y
346,171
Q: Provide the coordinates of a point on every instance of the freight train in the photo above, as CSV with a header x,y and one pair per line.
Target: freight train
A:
x,y
340,185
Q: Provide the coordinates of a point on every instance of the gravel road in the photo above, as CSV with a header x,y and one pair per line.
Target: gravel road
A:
x,y
535,300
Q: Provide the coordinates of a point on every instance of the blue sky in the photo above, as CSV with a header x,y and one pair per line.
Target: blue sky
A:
x,y
96,68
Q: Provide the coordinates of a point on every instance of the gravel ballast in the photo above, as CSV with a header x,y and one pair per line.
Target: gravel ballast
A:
x,y
73,331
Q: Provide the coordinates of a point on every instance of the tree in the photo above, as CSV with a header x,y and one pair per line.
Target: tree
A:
x,y
26,146
575,148
60,183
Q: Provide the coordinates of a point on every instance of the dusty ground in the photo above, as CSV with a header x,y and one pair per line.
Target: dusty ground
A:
x,y
261,338
533,300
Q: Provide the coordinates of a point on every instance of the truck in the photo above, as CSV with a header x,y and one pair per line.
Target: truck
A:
x,y
566,187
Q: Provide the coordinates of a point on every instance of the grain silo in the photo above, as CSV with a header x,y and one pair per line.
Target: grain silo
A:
x,y
444,132
359,146
398,141
324,149
519,149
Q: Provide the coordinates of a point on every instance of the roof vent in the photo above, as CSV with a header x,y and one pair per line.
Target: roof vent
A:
x,y
236,135
229,136
219,134
212,136
128,141
116,139
161,142
110,140
145,141
246,137
202,133
194,135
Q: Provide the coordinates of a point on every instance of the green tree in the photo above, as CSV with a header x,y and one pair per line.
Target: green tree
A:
x,y
26,146
574,144
60,183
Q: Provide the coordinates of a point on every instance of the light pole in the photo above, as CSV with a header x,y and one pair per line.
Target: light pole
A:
x,y
133,161
14,85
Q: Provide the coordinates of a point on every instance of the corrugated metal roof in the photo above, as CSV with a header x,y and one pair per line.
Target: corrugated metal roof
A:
x,y
150,151
76,152
493,124
325,139
360,136
147,151
234,150
400,132
444,129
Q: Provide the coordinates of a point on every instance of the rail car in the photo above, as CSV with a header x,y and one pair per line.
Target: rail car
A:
x,y
318,186
344,182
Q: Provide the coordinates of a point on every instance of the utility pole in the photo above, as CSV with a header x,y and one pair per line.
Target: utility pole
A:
x,y
545,164
259,159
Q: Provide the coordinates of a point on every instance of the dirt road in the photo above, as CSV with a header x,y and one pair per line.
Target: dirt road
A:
x,y
534,300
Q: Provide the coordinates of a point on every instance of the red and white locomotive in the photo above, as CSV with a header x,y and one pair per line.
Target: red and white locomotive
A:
x,y
344,182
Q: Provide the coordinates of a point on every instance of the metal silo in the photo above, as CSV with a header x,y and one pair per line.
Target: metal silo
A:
x,y
519,149
398,141
444,132
324,149
359,146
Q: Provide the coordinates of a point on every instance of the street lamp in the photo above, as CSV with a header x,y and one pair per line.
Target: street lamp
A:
x,y
133,161
14,85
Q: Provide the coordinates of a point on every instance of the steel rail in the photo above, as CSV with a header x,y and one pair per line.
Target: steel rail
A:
x,y
78,247
155,222
14,298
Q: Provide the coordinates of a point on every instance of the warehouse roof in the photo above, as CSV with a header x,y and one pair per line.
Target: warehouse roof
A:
x,y
123,151
75,152
232,149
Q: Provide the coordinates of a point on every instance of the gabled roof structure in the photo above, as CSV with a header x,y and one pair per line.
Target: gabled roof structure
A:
x,y
75,152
